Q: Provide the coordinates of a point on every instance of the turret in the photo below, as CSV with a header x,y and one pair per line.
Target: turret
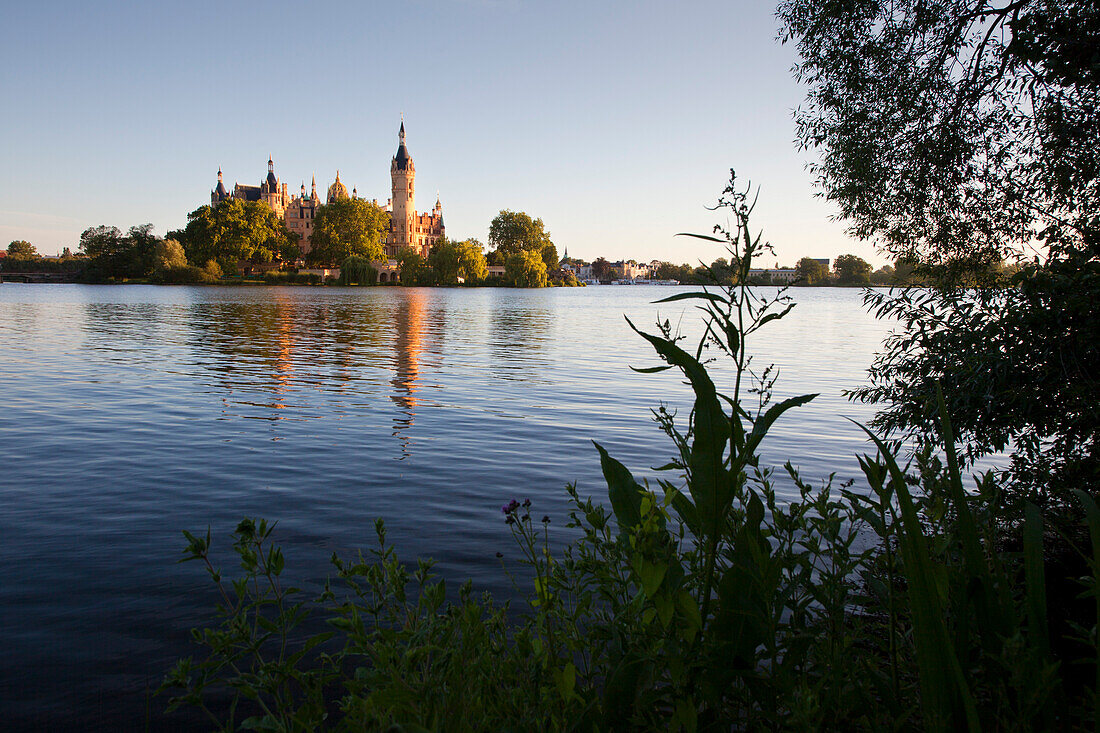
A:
x,y
272,181
219,194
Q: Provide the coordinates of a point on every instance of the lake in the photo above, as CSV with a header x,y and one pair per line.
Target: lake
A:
x,y
131,413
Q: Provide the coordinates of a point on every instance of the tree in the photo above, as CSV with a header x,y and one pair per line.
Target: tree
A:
x,y
236,231
113,254
852,270
412,267
525,269
883,276
348,227
513,231
811,271
602,269
357,270
956,135
682,273
22,250
954,131
167,255
450,260
142,245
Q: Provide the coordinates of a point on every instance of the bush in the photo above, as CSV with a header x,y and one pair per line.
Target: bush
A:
x,y
213,270
186,275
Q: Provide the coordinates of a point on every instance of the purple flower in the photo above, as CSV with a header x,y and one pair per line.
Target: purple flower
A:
x,y
526,503
511,519
546,520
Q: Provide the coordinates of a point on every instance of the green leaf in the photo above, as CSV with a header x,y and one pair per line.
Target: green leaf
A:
x,y
651,370
687,605
687,513
651,575
710,482
567,680
707,237
763,424
713,297
1035,582
624,492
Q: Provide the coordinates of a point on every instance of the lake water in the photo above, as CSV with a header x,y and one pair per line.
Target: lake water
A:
x,y
130,413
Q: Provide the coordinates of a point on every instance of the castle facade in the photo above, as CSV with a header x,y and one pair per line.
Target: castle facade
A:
x,y
408,228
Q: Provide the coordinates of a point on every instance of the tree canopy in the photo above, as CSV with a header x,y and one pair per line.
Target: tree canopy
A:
x,y
22,249
412,267
514,231
852,270
236,231
113,254
953,131
450,260
812,272
525,269
954,135
346,228
357,270
168,255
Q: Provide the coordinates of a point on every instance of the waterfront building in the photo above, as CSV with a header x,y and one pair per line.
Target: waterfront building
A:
x,y
775,275
300,214
408,228
337,191
271,191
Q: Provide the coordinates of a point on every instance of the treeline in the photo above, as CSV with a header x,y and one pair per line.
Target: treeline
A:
x,y
847,270
246,237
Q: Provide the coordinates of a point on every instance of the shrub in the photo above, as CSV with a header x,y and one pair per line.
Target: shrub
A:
x,y
185,275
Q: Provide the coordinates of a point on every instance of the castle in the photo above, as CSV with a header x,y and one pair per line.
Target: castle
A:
x,y
408,229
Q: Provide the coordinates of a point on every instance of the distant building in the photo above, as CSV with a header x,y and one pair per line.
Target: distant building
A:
x,y
775,275
623,270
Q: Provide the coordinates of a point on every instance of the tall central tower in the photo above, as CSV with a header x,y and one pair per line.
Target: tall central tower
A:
x,y
402,176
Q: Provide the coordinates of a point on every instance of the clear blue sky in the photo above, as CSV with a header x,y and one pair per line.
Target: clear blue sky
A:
x,y
616,123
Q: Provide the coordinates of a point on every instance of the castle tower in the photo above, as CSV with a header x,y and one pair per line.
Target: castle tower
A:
x,y
402,176
272,193
219,194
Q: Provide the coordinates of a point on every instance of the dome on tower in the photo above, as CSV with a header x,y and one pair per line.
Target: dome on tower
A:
x,y
272,182
337,190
